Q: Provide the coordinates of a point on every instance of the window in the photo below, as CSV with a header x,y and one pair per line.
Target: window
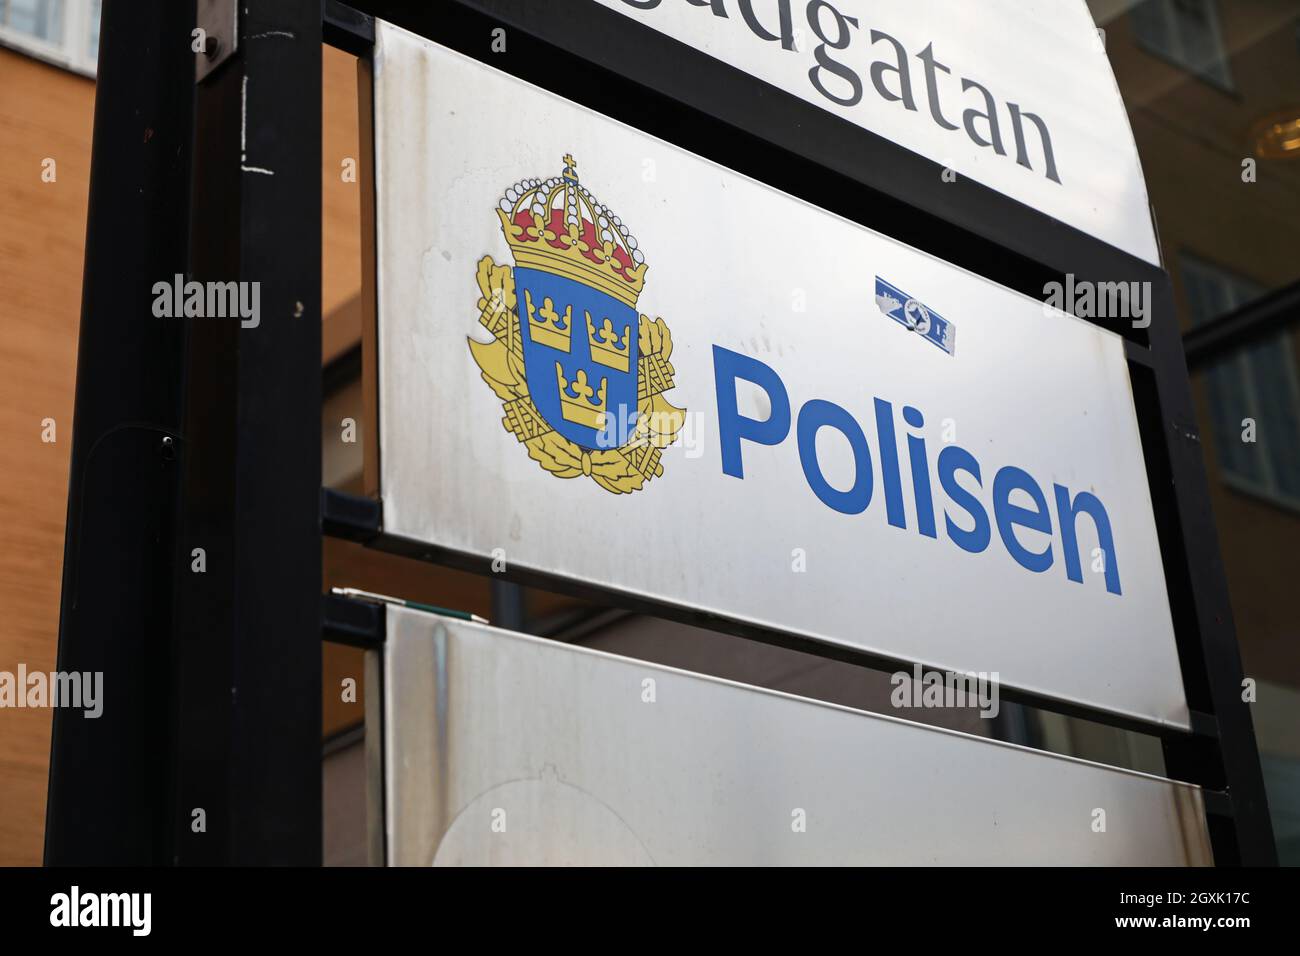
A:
x,y
92,34
1186,33
42,19
1258,382
62,32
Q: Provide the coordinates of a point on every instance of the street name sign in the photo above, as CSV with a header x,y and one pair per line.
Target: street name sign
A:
x,y
1016,95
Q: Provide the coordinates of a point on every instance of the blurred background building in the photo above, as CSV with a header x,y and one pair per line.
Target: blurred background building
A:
x,y
1213,94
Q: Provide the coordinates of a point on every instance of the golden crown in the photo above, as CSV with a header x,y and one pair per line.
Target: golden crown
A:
x,y
580,402
607,346
556,225
546,325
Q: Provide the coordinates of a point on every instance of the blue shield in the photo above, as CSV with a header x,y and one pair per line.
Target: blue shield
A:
x,y
580,358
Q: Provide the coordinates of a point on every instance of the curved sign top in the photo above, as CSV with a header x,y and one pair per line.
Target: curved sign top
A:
x,y
1015,95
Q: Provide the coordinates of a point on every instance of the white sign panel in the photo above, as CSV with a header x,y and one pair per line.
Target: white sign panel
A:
x,y
607,359
1015,94
498,748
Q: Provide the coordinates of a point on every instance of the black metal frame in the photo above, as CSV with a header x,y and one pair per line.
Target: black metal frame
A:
x,y
605,61
212,679
249,447
247,708
124,480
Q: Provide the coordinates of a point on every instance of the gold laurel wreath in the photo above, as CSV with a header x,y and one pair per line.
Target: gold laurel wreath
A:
x,y
620,470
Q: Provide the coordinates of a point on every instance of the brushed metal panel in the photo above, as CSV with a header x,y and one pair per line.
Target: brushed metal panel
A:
x,y
556,742
737,266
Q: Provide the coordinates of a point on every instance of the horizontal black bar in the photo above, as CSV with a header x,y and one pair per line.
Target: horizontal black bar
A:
x,y
347,29
345,620
352,517
417,550
1251,322
1028,901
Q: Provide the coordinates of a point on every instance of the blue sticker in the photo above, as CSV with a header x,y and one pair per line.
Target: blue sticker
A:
x,y
912,314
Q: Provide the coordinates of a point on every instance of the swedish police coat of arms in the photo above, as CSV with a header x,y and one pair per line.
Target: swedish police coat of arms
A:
x,y
579,371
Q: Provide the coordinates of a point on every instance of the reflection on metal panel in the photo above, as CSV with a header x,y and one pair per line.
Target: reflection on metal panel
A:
x,y
506,749
878,450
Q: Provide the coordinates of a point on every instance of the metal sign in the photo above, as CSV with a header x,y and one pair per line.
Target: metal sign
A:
x,y
606,359
1017,96
484,762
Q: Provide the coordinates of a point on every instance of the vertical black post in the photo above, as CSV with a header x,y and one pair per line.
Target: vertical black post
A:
x,y
107,799
248,668
508,605
1224,755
